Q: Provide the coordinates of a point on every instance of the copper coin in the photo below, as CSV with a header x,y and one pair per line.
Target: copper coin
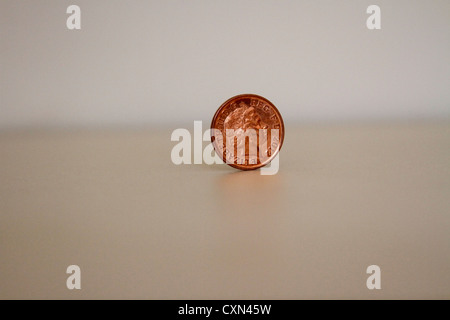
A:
x,y
247,131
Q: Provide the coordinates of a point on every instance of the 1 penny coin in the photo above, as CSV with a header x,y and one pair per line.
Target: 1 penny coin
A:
x,y
247,131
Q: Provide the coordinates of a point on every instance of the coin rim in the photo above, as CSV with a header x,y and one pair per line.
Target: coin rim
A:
x,y
254,166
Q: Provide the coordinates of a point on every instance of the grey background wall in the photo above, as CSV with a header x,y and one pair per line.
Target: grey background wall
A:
x,y
155,62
